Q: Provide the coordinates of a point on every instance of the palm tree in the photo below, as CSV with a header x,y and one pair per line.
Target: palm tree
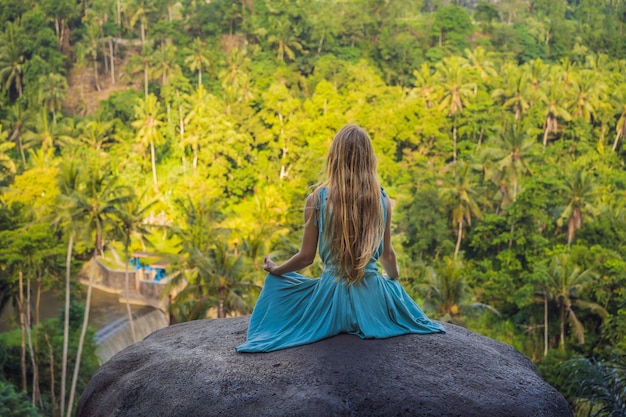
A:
x,y
165,63
52,89
565,281
283,33
456,90
446,292
510,152
148,119
197,59
92,40
514,94
619,99
68,181
461,194
551,97
580,190
11,57
425,84
587,92
479,61
142,64
7,166
227,273
95,133
537,71
131,215
139,13
599,386
96,204
15,120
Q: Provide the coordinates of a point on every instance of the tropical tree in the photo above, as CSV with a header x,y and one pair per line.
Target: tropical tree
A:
x,y
282,31
619,98
514,93
456,90
12,59
587,95
194,299
148,119
227,274
97,205
165,63
425,85
52,91
96,133
565,282
138,11
446,291
69,183
92,45
598,386
551,96
579,189
461,194
15,121
479,61
131,216
7,166
197,58
509,152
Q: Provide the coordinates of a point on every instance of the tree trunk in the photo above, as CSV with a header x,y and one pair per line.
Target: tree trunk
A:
x,y
128,310
20,307
53,399
35,395
66,321
112,61
145,79
616,140
220,304
458,239
95,73
154,173
83,332
545,321
454,140
562,337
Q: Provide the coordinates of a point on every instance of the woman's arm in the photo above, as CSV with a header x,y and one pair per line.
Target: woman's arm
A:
x,y
306,255
388,257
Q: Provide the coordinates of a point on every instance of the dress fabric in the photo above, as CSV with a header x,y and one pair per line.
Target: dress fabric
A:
x,y
294,310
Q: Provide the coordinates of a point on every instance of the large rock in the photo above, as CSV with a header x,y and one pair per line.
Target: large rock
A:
x,y
192,369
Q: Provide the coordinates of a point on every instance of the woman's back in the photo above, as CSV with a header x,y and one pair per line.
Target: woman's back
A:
x,y
322,217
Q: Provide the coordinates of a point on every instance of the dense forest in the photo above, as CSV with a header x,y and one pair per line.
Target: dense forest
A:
x,y
195,129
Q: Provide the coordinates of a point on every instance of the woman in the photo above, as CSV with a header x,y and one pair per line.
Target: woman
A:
x,y
349,215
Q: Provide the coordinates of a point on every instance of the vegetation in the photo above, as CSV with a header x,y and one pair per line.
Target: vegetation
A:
x,y
199,128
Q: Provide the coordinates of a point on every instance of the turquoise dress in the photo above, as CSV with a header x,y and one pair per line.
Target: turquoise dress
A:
x,y
294,310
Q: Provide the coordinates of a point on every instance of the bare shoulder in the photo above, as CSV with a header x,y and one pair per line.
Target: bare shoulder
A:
x,y
388,203
311,200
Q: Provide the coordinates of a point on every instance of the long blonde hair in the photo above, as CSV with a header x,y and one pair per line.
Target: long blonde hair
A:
x,y
355,223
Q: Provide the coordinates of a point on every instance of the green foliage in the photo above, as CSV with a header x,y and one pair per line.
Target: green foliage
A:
x,y
13,403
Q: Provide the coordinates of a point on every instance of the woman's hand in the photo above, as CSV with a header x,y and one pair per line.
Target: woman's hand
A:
x,y
268,264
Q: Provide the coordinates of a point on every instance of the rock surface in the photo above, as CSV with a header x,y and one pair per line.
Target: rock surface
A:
x,y
192,369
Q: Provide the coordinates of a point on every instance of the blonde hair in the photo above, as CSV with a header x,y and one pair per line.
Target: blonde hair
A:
x,y
355,223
